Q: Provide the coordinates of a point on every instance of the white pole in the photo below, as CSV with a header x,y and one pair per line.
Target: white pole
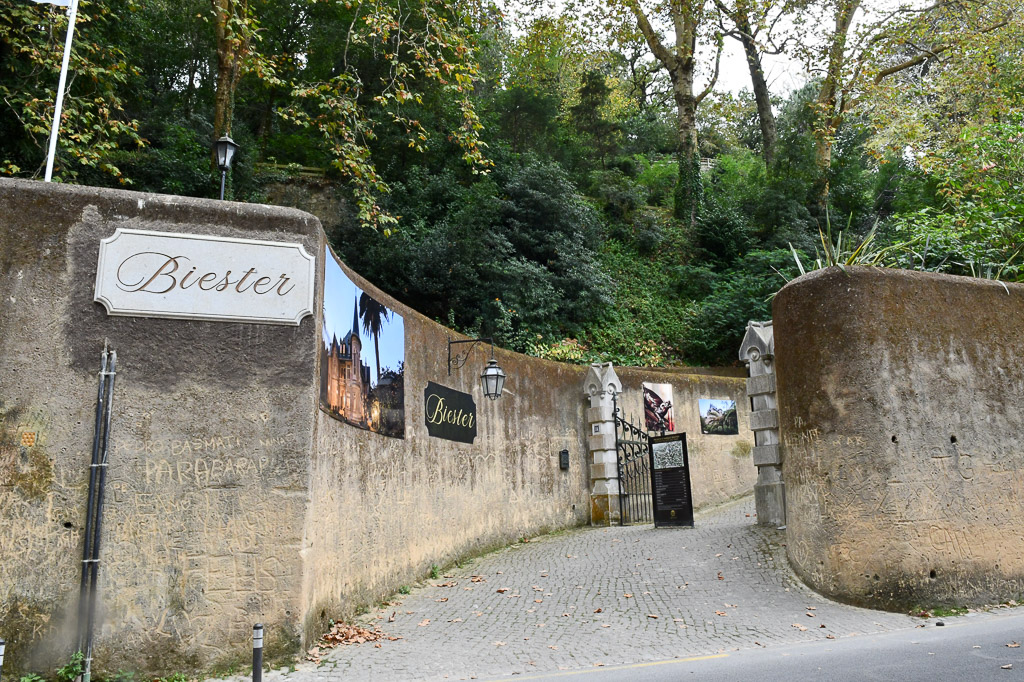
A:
x,y
72,12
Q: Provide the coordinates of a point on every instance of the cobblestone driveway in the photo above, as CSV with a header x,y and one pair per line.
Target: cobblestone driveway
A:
x,y
601,596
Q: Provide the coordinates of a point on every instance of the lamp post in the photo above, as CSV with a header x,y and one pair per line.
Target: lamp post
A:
x,y
492,379
225,148
72,6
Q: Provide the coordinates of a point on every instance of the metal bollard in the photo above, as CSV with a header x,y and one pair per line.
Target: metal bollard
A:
x,y
257,652
3,645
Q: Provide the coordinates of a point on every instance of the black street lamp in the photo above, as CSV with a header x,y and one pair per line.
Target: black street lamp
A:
x,y
225,148
492,379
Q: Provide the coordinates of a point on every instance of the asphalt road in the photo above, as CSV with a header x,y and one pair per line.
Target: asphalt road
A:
x,y
972,647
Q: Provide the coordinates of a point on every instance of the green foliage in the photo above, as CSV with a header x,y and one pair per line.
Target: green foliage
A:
x,y
658,177
72,669
714,328
510,255
435,572
93,120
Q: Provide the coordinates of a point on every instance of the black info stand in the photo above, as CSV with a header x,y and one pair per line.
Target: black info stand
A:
x,y
670,481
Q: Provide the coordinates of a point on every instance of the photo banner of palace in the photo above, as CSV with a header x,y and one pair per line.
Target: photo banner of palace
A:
x,y
362,356
718,417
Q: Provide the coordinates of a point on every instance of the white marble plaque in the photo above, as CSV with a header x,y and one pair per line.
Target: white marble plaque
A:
x,y
199,277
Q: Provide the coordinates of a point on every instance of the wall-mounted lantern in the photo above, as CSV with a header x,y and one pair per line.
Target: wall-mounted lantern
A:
x,y
492,379
563,460
225,149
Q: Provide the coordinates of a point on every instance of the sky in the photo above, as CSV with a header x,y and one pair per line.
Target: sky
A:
x,y
340,297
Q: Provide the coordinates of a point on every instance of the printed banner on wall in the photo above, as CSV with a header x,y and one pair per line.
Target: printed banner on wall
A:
x,y
362,356
658,407
718,417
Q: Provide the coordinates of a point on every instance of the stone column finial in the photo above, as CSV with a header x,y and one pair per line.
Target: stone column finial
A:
x,y
758,352
601,386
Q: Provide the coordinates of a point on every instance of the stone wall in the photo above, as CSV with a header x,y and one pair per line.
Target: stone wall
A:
x,y
899,404
209,468
721,466
232,498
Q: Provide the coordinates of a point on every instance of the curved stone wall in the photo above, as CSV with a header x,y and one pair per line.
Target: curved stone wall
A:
x,y
232,497
900,398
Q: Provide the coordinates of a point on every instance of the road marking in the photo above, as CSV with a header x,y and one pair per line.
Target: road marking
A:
x,y
613,667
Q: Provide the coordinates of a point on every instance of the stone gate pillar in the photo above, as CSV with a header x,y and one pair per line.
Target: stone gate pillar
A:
x,y
601,386
758,352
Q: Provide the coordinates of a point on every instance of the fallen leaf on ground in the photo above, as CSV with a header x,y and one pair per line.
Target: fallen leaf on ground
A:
x,y
455,620
822,625
719,613
1008,666
391,618
628,595
598,610
477,579
442,599
499,644
651,615
1013,645
378,645
810,615
450,583
605,625
830,636
720,576
425,621
341,633
538,601
812,608
799,627
565,615
502,590
553,647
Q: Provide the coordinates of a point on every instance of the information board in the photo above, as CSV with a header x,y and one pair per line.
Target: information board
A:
x,y
670,480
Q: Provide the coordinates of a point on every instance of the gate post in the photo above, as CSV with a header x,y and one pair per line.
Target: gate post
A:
x,y
601,386
758,352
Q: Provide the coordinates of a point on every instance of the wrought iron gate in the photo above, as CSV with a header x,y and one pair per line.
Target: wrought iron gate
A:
x,y
635,503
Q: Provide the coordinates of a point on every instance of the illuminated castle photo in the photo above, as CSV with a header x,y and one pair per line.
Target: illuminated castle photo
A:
x,y
362,357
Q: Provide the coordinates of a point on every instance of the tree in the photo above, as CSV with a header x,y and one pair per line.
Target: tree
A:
x,y
93,121
690,22
750,19
234,28
859,57
373,315
393,57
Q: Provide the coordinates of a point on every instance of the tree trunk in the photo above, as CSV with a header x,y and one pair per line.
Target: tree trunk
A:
x,y
230,17
689,188
829,109
762,97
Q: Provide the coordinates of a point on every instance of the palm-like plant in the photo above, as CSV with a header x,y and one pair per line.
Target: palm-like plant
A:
x,y
373,314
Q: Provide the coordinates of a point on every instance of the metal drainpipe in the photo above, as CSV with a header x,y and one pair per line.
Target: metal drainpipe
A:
x,y
83,593
97,526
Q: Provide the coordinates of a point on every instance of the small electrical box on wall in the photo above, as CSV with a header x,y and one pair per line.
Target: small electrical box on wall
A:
x,y
563,460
